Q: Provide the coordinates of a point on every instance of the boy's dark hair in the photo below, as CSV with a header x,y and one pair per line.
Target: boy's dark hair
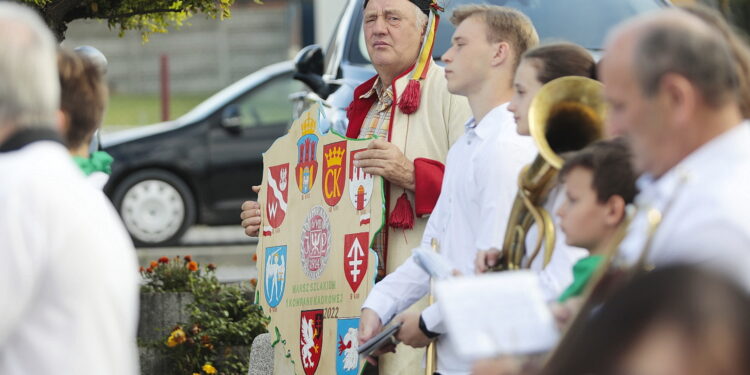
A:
x,y
83,96
610,164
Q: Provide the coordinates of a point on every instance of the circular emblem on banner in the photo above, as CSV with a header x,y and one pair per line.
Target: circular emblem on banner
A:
x,y
316,244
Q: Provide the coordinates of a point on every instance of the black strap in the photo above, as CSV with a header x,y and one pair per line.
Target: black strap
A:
x,y
424,5
427,332
26,136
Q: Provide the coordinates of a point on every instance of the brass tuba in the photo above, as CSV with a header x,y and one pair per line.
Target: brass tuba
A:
x,y
565,115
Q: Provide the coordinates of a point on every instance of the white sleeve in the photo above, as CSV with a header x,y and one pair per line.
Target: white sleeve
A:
x,y
399,290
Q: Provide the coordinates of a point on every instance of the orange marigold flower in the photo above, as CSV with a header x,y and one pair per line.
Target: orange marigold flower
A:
x,y
208,369
154,264
141,269
164,260
206,341
255,257
254,281
196,329
149,270
211,266
177,337
192,266
188,258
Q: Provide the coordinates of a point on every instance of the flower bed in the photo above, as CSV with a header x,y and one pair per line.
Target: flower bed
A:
x,y
192,324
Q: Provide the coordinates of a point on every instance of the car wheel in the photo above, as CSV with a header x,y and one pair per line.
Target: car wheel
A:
x,y
156,207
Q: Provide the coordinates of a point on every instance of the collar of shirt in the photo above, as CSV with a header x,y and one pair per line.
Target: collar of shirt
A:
x,y
385,97
704,158
489,124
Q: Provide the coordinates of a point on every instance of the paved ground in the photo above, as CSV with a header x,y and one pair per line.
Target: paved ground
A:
x,y
226,247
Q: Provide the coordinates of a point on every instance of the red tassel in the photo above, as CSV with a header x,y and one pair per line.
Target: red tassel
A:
x,y
402,215
410,98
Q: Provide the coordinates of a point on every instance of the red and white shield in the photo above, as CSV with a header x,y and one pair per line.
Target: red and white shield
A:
x,y
334,172
315,245
310,339
360,184
356,247
277,190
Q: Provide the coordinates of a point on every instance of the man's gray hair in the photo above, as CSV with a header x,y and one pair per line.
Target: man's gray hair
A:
x,y
29,83
696,53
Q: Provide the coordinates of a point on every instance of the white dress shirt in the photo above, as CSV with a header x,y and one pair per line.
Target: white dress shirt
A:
x,y
479,187
705,206
68,275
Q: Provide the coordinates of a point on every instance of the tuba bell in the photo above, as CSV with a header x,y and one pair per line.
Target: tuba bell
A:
x,y
565,115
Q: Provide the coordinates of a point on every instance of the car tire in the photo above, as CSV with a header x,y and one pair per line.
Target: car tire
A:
x,y
156,206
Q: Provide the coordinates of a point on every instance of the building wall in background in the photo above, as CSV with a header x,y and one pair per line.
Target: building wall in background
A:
x,y
327,13
205,55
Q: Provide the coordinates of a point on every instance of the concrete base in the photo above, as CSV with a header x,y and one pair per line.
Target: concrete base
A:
x,y
268,360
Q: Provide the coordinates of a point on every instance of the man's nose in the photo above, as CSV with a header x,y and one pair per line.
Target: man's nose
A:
x,y
380,26
446,56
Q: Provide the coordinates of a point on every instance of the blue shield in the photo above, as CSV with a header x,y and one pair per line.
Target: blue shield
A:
x,y
347,359
274,274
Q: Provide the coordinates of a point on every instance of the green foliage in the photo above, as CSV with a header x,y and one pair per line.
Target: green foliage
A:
x,y
144,16
223,319
177,275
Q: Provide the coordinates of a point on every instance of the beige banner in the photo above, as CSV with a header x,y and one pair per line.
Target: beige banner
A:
x,y
315,267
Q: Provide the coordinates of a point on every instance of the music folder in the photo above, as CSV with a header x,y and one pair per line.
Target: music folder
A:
x,y
386,336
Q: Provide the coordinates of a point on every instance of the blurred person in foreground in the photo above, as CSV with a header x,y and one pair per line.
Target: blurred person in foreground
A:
x,y
677,320
673,89
69,272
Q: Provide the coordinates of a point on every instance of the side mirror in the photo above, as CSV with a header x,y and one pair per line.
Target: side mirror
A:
x,y
309,60
230,118
309,70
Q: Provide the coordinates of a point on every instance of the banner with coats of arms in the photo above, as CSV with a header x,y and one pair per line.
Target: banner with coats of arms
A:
x,y
315,266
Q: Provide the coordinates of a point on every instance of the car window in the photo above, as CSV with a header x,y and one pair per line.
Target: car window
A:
x,y
269,104
584,22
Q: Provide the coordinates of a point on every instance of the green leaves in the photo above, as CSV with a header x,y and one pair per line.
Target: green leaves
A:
x,y
223,319
143,16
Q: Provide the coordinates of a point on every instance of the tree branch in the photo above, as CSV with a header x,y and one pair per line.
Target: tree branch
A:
x,y
138,13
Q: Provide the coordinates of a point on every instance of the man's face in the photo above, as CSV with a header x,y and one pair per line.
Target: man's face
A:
x,y
583,218
468,59
631,114
391,34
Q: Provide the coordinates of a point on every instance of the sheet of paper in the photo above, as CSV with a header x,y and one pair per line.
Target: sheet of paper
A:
x,y
433,263
497,313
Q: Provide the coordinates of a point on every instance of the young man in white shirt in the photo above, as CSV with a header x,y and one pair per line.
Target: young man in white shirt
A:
x,y
672,85
68,277
481,174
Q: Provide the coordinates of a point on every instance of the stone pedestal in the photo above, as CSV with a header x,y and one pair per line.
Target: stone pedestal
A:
x,y
268,360
160,312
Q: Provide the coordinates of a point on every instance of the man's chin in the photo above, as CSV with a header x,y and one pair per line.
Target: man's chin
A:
x,y
453,89
381,59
